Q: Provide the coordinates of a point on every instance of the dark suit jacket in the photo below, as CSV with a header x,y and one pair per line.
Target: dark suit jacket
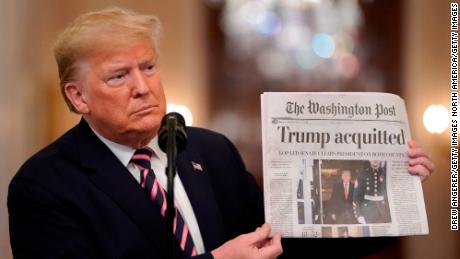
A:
x,y
74,199
339,205
338,192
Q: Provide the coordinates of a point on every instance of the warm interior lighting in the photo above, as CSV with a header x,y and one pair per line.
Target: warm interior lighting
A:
x,y
436,119
183,110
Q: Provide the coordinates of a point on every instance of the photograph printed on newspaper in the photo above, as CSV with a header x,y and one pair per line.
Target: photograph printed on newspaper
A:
x,y
336,165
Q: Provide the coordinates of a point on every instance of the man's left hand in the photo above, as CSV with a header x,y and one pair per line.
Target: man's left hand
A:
x,y
420,162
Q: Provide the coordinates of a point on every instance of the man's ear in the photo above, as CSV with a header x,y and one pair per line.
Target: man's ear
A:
x,y
75,95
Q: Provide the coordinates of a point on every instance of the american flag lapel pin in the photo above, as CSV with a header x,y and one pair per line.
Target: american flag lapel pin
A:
x,y
197,167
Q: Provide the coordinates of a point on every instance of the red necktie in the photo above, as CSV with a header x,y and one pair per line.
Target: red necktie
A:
x,y
346,190
141,158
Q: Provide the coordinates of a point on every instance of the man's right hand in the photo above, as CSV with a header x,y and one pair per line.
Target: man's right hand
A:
x,y
361,220
256,245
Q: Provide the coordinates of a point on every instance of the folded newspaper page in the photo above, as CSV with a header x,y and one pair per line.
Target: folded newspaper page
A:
x,y
336,165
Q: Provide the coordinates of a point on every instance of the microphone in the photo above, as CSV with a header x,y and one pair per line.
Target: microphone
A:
x,y
172,139
174,123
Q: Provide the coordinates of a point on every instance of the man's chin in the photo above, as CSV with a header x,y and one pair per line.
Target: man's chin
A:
x,y
148,125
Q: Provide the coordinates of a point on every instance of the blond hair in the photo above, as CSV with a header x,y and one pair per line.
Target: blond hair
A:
x,y
90,31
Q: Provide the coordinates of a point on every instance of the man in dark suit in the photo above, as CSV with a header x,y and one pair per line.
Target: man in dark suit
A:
x,y
341,202
99,190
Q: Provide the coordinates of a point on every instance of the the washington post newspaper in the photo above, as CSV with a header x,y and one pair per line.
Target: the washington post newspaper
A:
x,y
336,165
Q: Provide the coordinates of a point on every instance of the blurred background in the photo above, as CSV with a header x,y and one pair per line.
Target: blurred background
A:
x,y
218,56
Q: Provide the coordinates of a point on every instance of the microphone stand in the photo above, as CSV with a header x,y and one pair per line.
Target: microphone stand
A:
x,y
171,152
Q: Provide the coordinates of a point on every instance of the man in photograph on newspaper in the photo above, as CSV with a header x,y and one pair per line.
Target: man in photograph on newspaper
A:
x,y
341,202
370,196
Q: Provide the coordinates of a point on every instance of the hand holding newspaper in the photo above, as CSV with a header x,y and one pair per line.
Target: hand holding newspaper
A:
x,y
335,165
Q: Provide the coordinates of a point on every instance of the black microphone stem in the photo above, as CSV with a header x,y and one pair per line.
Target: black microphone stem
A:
x,y
172,139
171,152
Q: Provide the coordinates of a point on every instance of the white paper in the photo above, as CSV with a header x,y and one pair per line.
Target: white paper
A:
x,y
336,165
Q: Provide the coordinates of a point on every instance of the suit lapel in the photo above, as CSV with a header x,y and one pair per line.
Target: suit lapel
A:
x,y
201,195
109,175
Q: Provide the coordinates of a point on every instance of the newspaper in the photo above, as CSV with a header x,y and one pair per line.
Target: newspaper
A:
x,y
336,165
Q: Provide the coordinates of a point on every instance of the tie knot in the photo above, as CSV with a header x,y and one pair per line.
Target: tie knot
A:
x,y
142,157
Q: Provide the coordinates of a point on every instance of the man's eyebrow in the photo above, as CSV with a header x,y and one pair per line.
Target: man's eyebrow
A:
x,y
148,61
117,68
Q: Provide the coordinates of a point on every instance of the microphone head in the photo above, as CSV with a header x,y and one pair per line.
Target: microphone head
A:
x,y
180,134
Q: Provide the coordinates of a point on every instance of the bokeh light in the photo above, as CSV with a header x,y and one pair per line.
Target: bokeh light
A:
x,y
269,25
436,119
183,110
349,65
301,41
323,45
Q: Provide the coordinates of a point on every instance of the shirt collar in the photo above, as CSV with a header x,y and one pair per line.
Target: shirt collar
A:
x,y
157,150
125,153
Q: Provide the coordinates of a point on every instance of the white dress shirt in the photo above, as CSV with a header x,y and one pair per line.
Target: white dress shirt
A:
x,y
158,164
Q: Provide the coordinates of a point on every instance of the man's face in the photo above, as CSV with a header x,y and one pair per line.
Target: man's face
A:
x,y
375,164
122,91
346,175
